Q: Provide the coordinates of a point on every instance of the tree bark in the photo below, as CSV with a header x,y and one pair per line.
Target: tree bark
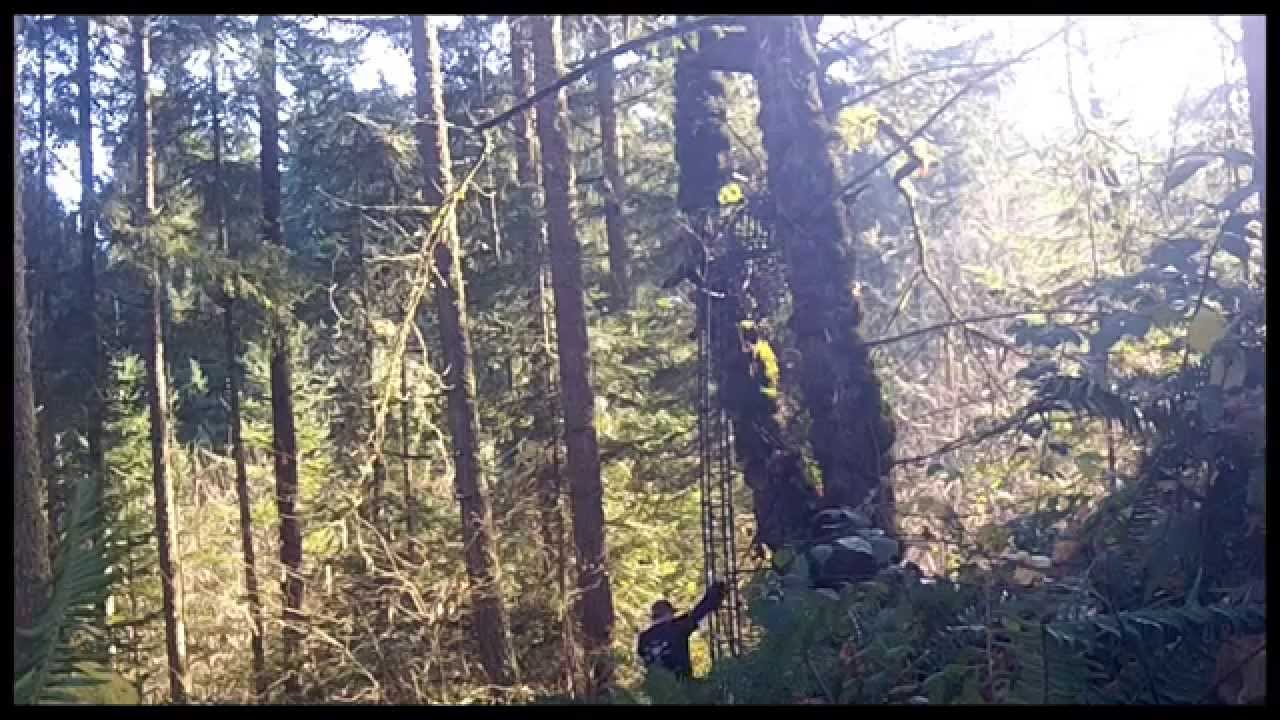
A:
x,y
231,339
849,433
30,529
702,138
615,190
534,228
158,397
95,402
549,478
1255,66
577,397
284,441
489,622
41,261
39,258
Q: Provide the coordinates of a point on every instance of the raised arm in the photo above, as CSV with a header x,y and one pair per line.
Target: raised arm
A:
x,y
710,601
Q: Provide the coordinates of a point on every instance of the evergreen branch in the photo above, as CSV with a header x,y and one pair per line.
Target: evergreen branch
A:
x,y
47,663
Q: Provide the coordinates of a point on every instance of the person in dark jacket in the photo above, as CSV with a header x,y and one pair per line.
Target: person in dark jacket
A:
x,y
666,641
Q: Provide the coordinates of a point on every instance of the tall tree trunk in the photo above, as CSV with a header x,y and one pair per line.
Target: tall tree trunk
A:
x,y
95,403
284,441
549,476
577,397
39,258
534,228
231,340
30,531
615,191
774,471
850,435
158,397
1255,67
42,149
489,621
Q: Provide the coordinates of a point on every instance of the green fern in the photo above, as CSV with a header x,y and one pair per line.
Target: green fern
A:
x,y
52,663
1082,396
1049,671
1153,656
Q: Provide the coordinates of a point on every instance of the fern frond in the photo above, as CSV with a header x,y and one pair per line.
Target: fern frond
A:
x,y
1084,397
51,662
1153,655
1050,670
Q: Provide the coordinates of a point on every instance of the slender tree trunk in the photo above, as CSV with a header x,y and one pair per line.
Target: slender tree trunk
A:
x,y
30,530
1255,66
284,441
850,435
489,621
376,488
577,397
166,515
39,259
549,475
615,190
42,120
534,228
231,338
88,254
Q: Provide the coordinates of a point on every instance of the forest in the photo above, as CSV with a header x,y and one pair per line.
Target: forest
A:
x,y
407,359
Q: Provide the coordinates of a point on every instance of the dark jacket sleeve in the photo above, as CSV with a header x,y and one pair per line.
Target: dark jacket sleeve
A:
x,y
710,601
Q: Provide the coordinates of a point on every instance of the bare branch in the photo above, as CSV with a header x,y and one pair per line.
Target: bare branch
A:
x,y
982,318
943,108
595,61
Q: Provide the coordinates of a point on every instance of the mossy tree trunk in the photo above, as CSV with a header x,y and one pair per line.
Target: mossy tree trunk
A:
x,y
849,433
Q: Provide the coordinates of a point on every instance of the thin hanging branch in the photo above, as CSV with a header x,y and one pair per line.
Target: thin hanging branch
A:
x,y
860,178
981,318
422,279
